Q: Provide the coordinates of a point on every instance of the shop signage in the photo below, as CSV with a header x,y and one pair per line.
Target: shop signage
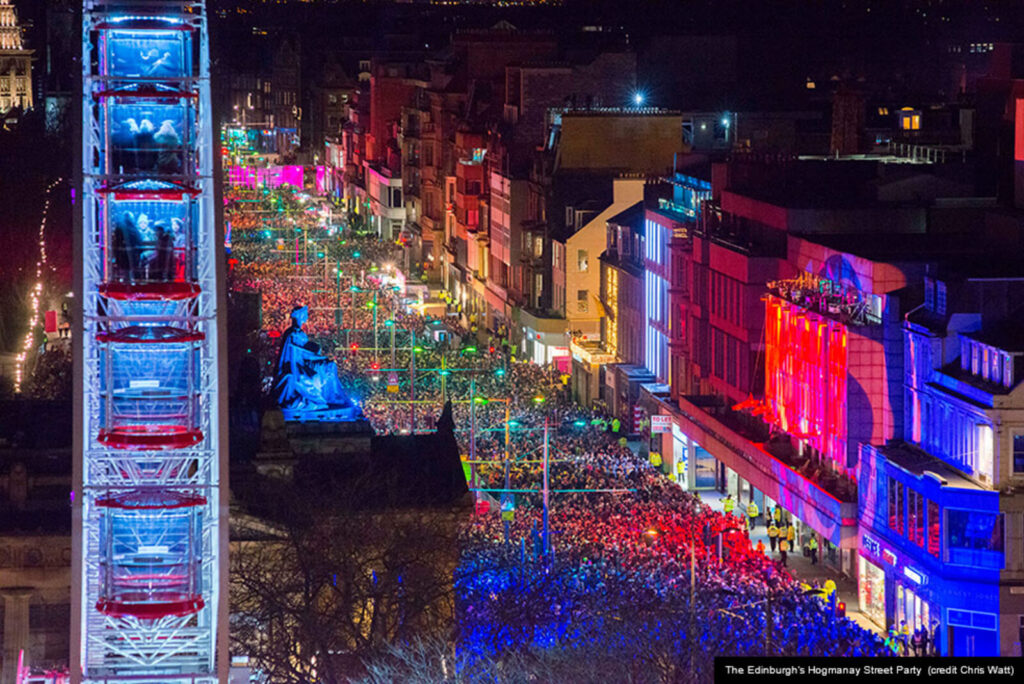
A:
x,y
661,424
889,557
913,575
872,545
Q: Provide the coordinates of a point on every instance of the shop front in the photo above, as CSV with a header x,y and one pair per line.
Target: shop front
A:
x,y
694,465
871,591
897,589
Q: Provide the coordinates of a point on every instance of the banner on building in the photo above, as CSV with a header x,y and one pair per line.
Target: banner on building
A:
x,y
661,425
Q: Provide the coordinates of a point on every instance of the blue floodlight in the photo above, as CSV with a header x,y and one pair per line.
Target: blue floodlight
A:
x,y
638,98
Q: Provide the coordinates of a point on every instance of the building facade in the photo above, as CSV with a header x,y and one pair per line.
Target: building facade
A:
x,y
15,62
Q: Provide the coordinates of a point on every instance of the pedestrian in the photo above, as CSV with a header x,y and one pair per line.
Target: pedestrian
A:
x,y
728,504
935,638
790,533
778,514
616,425
783,548
773,536
905,636
752,513
656,460
812,546
760,546
917,640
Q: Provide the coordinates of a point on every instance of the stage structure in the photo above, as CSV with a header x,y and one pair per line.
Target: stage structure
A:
x,y
149,499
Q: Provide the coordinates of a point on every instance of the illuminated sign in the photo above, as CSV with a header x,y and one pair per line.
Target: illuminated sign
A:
x,y
871,545
889,557
913,575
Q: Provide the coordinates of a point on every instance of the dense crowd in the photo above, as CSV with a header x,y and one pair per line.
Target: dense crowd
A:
x,y
627,544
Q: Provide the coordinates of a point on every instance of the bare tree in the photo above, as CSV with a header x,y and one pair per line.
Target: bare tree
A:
x,y
324,584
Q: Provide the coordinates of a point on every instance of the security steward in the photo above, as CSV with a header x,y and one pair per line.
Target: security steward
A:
x,y
752,513
773,535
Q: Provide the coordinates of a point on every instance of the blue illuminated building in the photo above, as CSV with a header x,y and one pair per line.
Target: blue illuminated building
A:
x,y
667,228
940,536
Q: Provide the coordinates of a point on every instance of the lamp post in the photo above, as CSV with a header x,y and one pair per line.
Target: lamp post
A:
x,y
547,529
376,353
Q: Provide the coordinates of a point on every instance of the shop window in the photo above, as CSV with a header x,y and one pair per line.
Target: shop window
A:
x,y
974,538
934,529
871,592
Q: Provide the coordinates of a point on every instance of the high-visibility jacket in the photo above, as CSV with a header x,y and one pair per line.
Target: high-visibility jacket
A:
x,y
783,545
905,630
616,425
778,514
655,459
773,531
728,504
790,533
752,510
829,587
760,546
813,544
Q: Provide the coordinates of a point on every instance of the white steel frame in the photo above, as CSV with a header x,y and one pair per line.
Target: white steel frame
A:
x,y
128,649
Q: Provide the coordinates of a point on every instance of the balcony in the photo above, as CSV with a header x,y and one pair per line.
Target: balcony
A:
x,y
825,500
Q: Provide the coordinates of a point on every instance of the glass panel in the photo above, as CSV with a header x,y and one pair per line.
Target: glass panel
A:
x,y
150,557
149,386
150,241
974,538
147,54
147,139
1018,453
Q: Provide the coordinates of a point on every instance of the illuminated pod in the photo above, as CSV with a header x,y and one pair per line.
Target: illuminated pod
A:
x,y
148,535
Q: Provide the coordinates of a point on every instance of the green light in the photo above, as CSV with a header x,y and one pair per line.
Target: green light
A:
x,y
355,255
479,400
500,372
446,372
374,269
388,323
417,349
539,400
470,350
370,305
319,255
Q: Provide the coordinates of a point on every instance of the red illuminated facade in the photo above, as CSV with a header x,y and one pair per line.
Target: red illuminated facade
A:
x,y
805,376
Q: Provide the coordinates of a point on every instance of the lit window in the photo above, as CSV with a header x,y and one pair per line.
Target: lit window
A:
x,y
974,538
985,448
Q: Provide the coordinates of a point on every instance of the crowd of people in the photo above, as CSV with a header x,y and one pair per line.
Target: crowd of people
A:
x,y
622,535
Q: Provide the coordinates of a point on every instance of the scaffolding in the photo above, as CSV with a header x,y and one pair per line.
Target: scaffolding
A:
x,y
148,582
